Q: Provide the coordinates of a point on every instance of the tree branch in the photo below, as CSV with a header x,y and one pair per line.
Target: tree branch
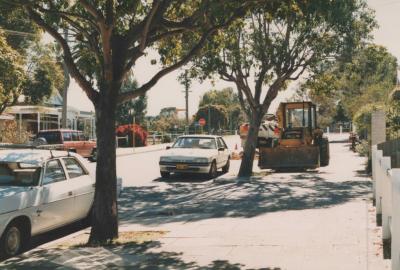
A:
x,y
69,14
243,104
146,27
92,11
68,59
144,88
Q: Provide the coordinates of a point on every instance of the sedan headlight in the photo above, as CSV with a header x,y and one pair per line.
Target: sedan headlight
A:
x,y
165,159
200,160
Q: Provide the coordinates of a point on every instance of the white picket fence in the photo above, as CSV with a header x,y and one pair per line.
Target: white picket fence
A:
x,y
386,185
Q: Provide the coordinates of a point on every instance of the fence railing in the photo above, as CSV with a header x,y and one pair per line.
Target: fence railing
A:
x,y
386,187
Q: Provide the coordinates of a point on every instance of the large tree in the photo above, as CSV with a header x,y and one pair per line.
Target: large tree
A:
x,y
12,74
107,39
35,75
367,78
29,67
276,44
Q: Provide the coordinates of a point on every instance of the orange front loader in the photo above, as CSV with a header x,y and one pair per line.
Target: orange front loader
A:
x,y
301,144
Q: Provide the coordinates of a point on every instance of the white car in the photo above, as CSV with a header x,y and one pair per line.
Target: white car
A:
x,y
41,190
203,154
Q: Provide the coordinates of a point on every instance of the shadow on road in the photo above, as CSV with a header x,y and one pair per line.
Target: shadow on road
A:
x,y
130,256
186,178
226,198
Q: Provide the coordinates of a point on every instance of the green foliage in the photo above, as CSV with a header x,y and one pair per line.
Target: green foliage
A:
x,y
230,101
11,133
218,114
12,74
137,106
108,39
393,115
21,32
368,77
278,41
363,148
31,69
362,119
169,112
167,121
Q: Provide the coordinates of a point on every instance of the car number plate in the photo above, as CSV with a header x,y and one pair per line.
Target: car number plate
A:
x,y
181,166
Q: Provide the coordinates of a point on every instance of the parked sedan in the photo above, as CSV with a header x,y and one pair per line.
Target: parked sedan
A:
x,y
196,154
41,190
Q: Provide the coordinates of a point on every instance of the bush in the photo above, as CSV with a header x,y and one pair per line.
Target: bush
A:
x,y
362,119
363,148
10,133
127,130
166,139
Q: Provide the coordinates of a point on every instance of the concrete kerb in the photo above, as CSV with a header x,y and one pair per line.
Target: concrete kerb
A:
x,y
139,150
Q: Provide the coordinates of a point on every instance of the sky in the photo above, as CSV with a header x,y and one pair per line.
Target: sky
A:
x,y
168,92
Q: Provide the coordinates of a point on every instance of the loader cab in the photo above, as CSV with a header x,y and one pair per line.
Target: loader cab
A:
x,y
297,121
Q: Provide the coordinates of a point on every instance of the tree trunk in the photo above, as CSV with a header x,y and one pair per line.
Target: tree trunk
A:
x,y
105,210
246,167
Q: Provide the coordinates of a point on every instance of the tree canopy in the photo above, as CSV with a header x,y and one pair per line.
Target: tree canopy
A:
x,y
30,67
229,101
106,38
275,44
367,79
12,74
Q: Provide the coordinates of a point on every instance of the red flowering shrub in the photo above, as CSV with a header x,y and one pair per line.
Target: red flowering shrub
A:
x,y
127,130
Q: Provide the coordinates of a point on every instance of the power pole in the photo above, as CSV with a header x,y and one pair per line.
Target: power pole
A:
x,y
209,119
186,84
65,88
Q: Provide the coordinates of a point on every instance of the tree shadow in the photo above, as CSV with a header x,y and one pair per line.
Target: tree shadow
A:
x,y
186,178
130,256
228,198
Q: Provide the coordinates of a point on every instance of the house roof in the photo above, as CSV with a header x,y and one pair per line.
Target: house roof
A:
x,y
6,116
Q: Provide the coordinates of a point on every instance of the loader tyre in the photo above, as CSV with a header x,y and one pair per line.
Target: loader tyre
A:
x,y
324,152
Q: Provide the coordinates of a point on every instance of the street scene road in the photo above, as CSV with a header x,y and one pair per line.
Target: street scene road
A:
x,y
319,219
180,134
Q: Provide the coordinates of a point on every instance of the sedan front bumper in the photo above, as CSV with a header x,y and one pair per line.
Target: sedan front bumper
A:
x,y
184,167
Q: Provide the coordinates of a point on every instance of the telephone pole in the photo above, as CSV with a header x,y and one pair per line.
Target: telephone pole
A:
x,y
186,84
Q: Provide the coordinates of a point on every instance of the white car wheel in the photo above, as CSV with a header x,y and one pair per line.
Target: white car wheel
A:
x,y
225,169
11,241
213,170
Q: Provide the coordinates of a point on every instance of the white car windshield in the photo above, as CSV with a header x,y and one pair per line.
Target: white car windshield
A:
x,y
15,174
194,142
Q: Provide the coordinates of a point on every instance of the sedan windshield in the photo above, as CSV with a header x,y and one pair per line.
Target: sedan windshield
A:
x,y
193,142
13,174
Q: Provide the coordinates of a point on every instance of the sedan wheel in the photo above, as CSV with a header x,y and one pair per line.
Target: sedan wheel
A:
x,y
213,170
11,241
225,169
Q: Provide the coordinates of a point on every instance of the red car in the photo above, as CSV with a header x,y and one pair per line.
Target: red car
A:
x,y
70,140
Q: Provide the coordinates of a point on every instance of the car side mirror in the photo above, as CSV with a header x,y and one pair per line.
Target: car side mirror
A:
x,y
168,147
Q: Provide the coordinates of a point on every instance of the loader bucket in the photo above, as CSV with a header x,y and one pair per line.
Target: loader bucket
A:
x,y
303,157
